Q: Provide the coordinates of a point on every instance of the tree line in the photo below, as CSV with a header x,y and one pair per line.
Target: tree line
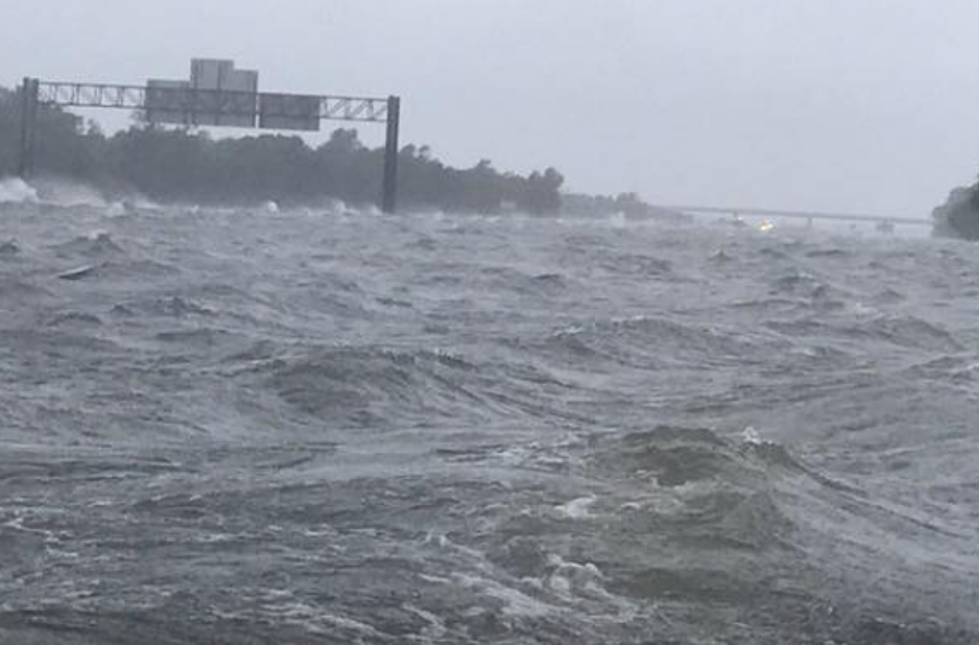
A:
x,y
183,165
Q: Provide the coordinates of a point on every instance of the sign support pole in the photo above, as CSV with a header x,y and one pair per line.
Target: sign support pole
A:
x,y
389,196
28,127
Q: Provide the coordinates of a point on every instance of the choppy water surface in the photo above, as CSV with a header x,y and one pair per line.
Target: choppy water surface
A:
x,y
313,427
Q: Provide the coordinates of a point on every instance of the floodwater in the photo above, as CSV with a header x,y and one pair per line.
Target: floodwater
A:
x,y
321,426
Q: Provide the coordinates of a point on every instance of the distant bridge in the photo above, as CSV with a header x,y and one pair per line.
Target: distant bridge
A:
x,y
809,216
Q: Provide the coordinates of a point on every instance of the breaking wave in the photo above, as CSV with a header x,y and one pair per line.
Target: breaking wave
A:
x,y
17,191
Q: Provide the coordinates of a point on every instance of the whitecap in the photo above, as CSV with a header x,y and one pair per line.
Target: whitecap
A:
x,y
516,603
751,437
577,509
14,190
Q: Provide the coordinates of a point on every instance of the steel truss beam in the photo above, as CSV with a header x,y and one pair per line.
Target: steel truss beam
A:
x,y
211,102
192,102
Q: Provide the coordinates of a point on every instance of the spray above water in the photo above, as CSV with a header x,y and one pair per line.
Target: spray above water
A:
x,y
67,193
17,191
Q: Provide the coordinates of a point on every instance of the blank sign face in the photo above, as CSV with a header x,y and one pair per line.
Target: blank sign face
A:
x,y
289,112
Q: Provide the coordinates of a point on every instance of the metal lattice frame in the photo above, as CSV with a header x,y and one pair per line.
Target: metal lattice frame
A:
x,y
221,102
191,104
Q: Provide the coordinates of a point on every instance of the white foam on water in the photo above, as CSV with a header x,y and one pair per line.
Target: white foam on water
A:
x,y
14,190
577,509
67,193
617,220
751,437
516,603
436,627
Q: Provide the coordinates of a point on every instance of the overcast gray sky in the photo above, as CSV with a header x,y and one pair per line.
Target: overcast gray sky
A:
x,y
852,105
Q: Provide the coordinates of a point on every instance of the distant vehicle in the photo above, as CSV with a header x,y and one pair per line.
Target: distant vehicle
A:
x,y
885,227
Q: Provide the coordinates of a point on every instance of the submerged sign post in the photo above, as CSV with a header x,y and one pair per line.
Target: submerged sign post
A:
x,y
216,95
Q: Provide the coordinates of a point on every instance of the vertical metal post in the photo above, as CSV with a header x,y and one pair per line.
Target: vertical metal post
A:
x,y
28,126
31,145
389,196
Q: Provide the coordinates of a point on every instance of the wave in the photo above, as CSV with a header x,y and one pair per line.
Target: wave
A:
x,y
748,523
123,270
897,330
21,291
377,387
95,245
690,523
653,342
675,456
10,249
533,285
74,319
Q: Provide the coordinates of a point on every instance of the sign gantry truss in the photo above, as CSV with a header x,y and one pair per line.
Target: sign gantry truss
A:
x,y
205,101
216,107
